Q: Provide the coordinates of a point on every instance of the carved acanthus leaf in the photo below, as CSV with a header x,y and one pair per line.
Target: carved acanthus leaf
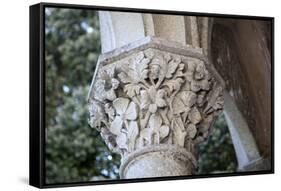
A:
x,y
184,101
164,131
174,84
171,67
97,117
191,131
133,132
135,71
194,116
132,89
179,131
155,123
152,99
121,141
106,86
125,110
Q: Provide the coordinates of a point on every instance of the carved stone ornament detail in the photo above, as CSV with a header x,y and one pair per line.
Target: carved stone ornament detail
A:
x,y
154,93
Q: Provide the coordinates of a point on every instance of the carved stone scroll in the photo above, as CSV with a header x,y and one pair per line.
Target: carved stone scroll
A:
x,y
154,100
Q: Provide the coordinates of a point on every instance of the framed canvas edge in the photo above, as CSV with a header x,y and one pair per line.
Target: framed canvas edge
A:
x,y
36,107
37,88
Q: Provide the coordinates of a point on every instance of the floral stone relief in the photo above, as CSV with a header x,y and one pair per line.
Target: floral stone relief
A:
x,y
154,97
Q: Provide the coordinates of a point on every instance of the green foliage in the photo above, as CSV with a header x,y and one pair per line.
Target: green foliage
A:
x,y
217,155
72,47
74,151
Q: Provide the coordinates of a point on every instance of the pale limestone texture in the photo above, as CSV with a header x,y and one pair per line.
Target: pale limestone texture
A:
x,y
154,100
158,161
191,33
245,147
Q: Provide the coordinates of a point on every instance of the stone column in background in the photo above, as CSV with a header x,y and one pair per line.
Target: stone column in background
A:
x,y
152,101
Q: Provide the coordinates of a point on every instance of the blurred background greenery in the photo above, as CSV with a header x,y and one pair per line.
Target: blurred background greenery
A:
x,y
74,151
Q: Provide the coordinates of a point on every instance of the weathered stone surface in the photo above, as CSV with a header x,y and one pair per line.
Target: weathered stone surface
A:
x,y
158,161
151,93
241,53
240,50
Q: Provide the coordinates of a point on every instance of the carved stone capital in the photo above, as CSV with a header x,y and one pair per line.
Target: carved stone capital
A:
x,y
154,100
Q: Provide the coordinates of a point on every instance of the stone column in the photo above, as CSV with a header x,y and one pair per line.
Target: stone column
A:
x,y
153,100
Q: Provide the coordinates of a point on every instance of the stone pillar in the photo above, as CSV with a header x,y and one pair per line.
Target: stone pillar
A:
x,y
153,100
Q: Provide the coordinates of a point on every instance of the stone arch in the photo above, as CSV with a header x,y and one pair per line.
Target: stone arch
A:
x,y
240,52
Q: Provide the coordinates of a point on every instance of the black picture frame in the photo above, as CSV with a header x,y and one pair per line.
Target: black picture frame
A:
x,y
37,94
